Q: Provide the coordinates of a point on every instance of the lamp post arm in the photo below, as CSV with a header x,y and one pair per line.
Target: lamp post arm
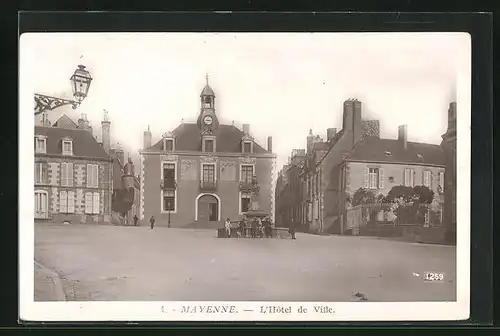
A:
x,y
47,103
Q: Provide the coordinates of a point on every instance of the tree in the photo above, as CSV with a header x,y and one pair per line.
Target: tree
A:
x,y
363,196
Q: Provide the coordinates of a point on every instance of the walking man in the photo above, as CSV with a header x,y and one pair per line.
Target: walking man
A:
x,y
227,225
152,222
136,220
292,228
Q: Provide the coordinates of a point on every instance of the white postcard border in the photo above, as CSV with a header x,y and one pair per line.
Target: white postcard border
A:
x,y
164,311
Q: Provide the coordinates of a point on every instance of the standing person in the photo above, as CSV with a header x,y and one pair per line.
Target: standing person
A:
x,y
254,227
227,226
242,228
267,228
292,228
136,220
152,222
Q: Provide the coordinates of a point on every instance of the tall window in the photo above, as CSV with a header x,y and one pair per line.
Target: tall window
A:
x,y
427,178
67,174
441,181
373,184
92,203
169,174
40,145
209,173
246,173
92,176
374,178
67,202
247,147
41,176
67,147
245,202
168,200
409,177
209,145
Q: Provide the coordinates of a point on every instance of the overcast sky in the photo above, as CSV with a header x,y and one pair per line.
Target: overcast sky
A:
x,y
281,84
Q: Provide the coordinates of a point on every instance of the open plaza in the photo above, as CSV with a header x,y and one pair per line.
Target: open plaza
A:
x,y
123,263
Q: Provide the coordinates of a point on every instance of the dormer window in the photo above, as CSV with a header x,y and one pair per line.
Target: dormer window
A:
x,y
67,146
387,153
247,147
208,145
41,144
168,142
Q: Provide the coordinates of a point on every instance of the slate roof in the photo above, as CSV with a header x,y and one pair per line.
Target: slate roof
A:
x,y
188,138
84,144
66,122
377,150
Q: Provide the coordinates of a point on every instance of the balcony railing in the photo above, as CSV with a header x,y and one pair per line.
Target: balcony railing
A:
x,y
168,184
208,185
246,186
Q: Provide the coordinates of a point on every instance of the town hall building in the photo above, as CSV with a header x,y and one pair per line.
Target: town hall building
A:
x,y
201,173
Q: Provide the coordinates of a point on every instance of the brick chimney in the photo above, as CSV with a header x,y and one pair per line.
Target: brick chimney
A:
x,y
348,114
147,139
81,123
105,132
270,144
330,133
310,141
403,135
246,129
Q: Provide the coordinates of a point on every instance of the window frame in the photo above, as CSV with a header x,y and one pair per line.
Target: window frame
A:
x,y
204,144
247,142
96,167
42,177
411,177
67,201
163,164
252,166
203,165
244,195
373,178
166,141
92,199
69,173
63,151
43,140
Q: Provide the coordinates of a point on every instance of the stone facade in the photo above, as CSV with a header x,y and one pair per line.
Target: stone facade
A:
x,y
188,191
52,186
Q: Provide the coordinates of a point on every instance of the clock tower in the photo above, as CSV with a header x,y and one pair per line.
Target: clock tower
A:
x,y
207,120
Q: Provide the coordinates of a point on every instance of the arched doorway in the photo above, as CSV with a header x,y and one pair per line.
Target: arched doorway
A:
x,y
208,208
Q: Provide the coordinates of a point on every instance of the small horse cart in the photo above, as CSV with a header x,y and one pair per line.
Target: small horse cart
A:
x,y
254,224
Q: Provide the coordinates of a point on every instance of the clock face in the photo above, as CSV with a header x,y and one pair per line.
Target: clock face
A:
x,y
207,120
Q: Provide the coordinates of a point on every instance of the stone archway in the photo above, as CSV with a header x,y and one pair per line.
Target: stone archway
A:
x,y
208,208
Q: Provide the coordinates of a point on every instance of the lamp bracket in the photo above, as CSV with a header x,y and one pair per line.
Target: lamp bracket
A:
x,y
46,103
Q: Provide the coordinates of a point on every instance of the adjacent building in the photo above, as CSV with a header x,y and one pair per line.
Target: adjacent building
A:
x,y
73,174
356,157
201,173
449,145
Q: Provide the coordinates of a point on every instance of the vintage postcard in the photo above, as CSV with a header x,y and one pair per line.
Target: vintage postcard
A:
x,y
245,176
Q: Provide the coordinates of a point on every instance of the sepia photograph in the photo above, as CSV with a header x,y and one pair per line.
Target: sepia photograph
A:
x,y
245,175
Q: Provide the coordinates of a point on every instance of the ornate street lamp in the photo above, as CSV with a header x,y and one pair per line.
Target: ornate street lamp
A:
x,y
80,83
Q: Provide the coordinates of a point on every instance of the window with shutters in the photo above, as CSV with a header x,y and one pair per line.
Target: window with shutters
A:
x,y
67,174
374,178
92,203
66,201
92,176
67,147
409,177
41,173
427,178
245,201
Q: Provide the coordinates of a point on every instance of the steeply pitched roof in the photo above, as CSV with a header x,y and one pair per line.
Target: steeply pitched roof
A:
x,y
84,144
65,122
392,151
188,138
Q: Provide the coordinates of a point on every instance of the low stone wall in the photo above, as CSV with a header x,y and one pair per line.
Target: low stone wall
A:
x,y
410,233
